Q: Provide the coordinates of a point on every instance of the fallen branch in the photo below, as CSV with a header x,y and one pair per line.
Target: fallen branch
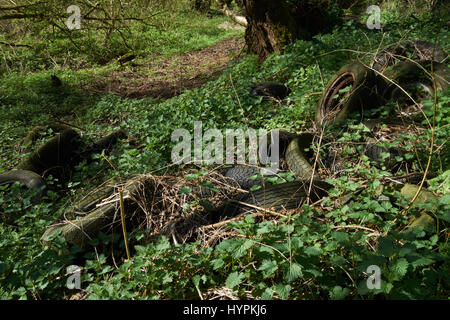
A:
x,y
224,222
15,44
235,17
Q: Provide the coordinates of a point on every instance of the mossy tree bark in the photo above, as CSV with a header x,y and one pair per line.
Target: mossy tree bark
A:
x,y
272,24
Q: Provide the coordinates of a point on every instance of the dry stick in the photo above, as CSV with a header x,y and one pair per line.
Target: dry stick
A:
x,y
314,166
353,226
238,100
260,208
36,296
122,211
124,228
320,73
379,45
312,94
199,292
438,149
224,222
431,144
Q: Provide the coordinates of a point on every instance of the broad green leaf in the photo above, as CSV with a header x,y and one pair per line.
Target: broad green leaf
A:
x,y
294,271
283,290
339,293
268,267
399,267
217,263
234,279
267,294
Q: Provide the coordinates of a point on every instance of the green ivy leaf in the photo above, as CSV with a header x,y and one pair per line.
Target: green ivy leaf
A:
x,y
386,246
341,237
185,190
243,248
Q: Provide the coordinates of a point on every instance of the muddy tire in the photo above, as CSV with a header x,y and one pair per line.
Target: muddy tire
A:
x,y
38,131
242,175
30,179
289,195
90,201
79,232
425,220
270,90
416,50
57,155
375,153
102,217
107,143
296,158
410,76
353,88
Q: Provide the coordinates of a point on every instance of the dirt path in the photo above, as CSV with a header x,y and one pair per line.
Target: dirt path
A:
x,y
168,77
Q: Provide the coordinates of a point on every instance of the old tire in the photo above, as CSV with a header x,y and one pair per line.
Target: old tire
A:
x,y
270,90
90,201
296,159
375,153
101,218
289,195
79,232
242,174
57,154
107,143
410,75
30,179
416,50
335,106
425,220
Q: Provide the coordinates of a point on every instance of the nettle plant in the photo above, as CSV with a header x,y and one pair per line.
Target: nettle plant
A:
x,y
320,251
299,257
28,269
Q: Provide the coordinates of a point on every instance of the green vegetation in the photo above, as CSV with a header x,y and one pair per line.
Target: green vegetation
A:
x,y
321,252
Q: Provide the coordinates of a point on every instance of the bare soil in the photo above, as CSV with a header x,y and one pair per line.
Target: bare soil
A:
x,y
167,77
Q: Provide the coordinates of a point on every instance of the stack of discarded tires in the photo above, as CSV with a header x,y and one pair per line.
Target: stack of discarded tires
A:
x,y
394,74
354,88
56,157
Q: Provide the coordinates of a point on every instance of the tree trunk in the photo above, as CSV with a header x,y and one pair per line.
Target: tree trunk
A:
x,y
272,24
